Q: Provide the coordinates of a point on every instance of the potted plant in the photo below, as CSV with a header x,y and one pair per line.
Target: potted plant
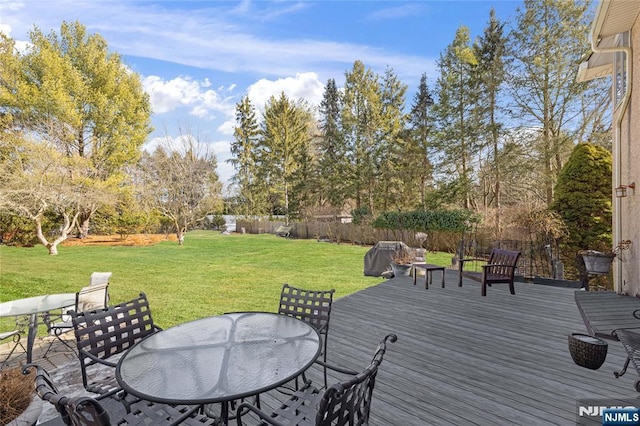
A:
x,y
599,262
401,261
18,404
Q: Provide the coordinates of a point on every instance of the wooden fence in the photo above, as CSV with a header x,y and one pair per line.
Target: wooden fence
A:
x,y
351,233
536,260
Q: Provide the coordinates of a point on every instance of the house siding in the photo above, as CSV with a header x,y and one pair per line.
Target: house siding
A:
x,y
630,172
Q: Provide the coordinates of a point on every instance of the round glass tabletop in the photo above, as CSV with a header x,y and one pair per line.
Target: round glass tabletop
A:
x,y
219,358
37,304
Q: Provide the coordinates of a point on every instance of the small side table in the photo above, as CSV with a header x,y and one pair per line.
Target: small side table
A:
x,y
428,274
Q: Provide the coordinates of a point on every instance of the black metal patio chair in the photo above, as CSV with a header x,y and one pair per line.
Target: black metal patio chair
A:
x,y
312,307
105,334
14,335
344,403
85,411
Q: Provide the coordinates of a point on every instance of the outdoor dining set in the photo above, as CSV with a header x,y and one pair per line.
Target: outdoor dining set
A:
x,y
209,371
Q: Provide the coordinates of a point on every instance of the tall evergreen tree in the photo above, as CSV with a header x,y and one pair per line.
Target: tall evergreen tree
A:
x,y
490,51
392,144
361,125
456,117
331,150
417,160
285,143
244,150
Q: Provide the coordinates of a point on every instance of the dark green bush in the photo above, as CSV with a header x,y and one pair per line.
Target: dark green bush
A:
x,y
361,215
217,222
17,231
426,220
583,200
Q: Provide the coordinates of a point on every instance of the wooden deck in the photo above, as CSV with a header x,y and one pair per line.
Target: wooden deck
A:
x,y
463,359
605,311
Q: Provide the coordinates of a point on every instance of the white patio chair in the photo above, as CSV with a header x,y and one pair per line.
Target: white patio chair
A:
x,y
94,296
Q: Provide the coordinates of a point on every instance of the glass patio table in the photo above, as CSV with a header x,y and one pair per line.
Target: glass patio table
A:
x,y
32,306
219,359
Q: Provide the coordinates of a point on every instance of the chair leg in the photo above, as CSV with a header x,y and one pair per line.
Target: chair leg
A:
x,y
624,369
16,343
58,336
484,288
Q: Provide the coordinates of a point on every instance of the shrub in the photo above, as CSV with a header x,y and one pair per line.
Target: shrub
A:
x,y
583,200
217,222
426,220
17,231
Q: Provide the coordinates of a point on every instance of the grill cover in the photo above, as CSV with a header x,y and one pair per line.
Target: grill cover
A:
x,y
378,258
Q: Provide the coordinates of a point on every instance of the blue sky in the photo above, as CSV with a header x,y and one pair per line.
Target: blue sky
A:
x,y
197,59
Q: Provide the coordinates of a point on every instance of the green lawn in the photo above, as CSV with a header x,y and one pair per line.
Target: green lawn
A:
x,y
211,274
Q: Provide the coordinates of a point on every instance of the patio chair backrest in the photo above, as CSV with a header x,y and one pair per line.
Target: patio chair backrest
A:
x,y
349,402
112,330
92,297
505,262
310,306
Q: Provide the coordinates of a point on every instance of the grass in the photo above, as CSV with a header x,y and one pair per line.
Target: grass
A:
x,y
210,274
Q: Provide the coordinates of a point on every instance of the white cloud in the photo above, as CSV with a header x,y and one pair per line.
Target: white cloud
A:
x,y
20,45
305,86
221,149
169,95
227,127
209,35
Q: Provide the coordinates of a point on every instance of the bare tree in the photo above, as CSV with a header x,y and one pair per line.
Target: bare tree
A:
x,y
181,182
46,187
549,39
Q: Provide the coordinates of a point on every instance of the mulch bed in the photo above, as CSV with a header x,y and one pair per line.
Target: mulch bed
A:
x,y
117,240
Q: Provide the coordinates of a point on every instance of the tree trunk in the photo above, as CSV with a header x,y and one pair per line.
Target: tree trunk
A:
x,y
180,236
83,222
180,231
52,247
83,228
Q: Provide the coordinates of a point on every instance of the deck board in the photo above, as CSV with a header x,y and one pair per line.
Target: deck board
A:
x,y
466,359
603,312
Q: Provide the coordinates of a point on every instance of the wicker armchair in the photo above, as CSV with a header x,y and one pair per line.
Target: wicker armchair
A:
x,y
89,411
105,333
344,403
312,307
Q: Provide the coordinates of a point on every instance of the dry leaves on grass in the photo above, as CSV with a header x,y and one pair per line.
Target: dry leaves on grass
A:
x,y
117,240
15,393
